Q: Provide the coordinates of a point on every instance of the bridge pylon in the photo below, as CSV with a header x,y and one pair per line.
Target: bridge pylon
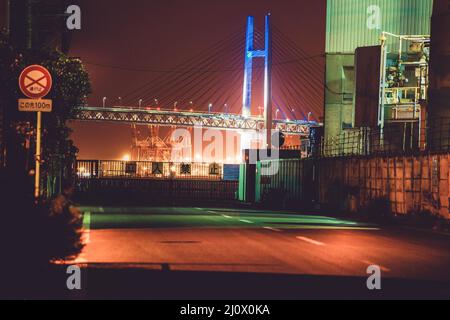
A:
x,y
250,54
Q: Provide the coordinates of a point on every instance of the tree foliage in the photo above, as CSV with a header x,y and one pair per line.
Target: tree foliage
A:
x,y
71,86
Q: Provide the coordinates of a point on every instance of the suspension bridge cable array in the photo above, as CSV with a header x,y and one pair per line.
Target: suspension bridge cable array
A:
x,y
215,76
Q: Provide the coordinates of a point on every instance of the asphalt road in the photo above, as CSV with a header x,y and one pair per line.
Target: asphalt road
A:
x,y
204,253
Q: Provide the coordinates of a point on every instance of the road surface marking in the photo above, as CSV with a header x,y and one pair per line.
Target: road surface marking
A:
x,y
311,241
228,217
272,229
212,212
245,221
382,268
87,227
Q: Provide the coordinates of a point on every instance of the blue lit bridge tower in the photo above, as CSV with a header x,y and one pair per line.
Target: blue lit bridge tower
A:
x,y
250,54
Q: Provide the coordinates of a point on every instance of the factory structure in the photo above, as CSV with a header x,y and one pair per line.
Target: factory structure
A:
x,y
379,62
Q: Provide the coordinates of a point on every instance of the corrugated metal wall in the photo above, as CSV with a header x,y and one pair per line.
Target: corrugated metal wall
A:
x,y
284,183
352,23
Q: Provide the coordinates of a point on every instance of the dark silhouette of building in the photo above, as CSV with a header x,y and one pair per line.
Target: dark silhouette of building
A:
x,y
32,24
39,24
439,108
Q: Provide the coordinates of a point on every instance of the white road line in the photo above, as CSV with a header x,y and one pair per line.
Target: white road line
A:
x,y
212,212
382,268
228,217
245,221
311,241
87,227
272,229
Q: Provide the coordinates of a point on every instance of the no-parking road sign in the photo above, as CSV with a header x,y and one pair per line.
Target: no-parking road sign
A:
x,y
35,82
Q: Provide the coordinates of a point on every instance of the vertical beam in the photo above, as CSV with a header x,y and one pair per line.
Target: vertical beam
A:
x,y
268,83
248,68
250,54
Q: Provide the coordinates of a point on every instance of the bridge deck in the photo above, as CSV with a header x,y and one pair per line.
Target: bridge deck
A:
x,y
190,119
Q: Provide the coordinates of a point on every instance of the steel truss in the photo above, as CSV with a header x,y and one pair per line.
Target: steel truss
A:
x,y
190,119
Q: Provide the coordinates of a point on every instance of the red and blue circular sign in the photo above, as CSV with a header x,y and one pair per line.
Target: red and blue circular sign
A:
x,y
35,82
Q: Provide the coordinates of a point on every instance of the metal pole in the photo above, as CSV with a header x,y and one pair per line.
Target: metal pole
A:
x,y
37,179
268,83
381,112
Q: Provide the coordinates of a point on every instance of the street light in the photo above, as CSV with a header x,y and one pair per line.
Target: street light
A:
x,y
175,106
226,107
140,103
120,101
156,102
309,116
104,102
276,114
210,107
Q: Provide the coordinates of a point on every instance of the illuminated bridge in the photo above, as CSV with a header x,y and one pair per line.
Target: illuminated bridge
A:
x,y
280,84
190,119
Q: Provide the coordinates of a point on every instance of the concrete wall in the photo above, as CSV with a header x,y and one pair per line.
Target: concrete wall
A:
x,y
410,183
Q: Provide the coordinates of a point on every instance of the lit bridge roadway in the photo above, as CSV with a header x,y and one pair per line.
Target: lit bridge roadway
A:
x,y
190,119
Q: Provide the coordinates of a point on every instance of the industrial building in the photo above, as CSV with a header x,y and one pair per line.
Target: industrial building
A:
x,y
389,41
439,106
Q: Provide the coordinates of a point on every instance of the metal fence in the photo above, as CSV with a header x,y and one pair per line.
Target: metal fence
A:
x,y
155,183
155,191
394,139
92,169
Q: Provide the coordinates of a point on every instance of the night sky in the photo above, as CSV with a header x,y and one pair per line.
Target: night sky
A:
x,y
150,34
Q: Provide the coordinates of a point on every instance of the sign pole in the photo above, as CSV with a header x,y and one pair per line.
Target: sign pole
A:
x,y
37,180
35,82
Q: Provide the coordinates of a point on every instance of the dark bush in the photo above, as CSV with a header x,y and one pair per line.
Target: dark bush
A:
x,y
379,211
32,236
